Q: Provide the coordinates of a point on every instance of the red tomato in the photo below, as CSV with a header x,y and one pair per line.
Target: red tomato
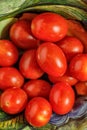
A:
x,y
8,53
78,67
28,65
71,46
38,112
51,59
28,16
10,77
65,78
37,87
81,88
49,27
13,100
20,34
62,98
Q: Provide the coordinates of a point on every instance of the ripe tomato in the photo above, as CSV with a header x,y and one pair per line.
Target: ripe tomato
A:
x,y
28,16
10,77
28,65
38,112
8,53
51,59
81,88
71,46
49,27
13,100
20,34
65,78
37,87
78,67
62,98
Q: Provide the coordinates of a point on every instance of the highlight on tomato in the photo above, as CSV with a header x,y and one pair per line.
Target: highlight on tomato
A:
x,y
13,100
62,98
38,112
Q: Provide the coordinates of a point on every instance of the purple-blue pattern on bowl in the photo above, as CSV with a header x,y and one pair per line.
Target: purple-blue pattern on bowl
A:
x,y
79,110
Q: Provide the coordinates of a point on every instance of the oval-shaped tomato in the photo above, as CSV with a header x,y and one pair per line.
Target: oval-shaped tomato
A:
x,y
51,59
37,87
62,98
71,46
49,27
10,77
28,65
20,34
81,88
78,67
13,100
38,112
8,53
65,78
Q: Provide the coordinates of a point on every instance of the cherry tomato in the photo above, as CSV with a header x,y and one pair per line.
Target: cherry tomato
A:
x,y
28,16
38,112
49,27
13,100
10,77
62,98
37,87
65,78
20,34
51,59
81,88
71,46
8,53
28,65
78,67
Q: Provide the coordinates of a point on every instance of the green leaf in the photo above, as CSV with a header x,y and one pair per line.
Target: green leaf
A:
x,y
12,122
66,11
9,8
76,3
5,26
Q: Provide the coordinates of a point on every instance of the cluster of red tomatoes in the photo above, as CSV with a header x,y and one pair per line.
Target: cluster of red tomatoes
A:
x,y
36,48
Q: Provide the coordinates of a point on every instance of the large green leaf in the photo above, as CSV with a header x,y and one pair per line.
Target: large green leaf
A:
x,y
66,11
9,8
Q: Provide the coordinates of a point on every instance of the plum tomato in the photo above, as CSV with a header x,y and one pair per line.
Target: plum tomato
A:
x,y
62,98
38,112
78,67
71,46
37,87
10,77
20,34
49,26
81,88
13,100
8,53
28,65
65,78
51,59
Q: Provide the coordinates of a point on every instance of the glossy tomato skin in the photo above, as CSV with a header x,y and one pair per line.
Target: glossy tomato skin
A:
x,y
38,112
28,65
13,100
65,78
10,77
71,46
81,88
20,34
62,98
78,67
51,59
37,87
8,53
49,27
